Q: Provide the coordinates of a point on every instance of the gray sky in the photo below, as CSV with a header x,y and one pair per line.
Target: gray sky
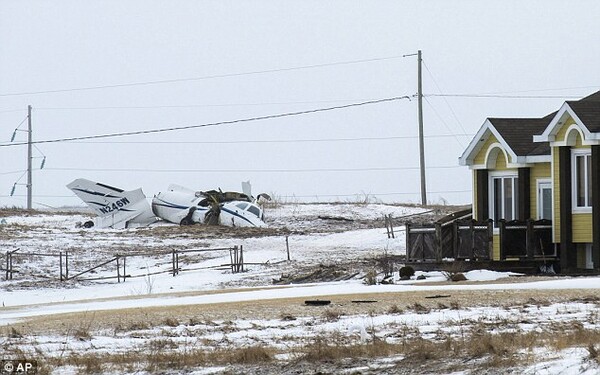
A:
x,y
534,48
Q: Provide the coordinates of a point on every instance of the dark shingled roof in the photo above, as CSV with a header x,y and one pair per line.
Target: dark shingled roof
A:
x,y
519,132
588,112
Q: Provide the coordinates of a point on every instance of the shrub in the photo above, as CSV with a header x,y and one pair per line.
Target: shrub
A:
x,y
406,271
458,277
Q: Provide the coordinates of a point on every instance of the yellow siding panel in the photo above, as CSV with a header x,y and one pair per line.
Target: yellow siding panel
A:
x,y
501,163
537,171
556,192
582,228
496,247
560,136
480,157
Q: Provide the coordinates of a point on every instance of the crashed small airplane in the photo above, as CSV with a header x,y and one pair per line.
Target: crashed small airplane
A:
x,y
183,206
117,208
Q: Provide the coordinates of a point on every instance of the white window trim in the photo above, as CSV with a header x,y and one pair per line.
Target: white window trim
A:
x,y
491,200
539,182
578,152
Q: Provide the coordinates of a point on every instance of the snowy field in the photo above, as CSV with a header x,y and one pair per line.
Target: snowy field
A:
x,y
207,319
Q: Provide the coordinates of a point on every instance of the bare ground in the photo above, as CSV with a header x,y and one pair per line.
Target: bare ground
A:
x,y
295,307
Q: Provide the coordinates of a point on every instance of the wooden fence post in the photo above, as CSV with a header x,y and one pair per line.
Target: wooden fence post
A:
x,y
502,225
66,265
124,269
118,270
407,226
7,264
438,242
242,258
529,238
472,230
287,246
490,239
11,266
60,265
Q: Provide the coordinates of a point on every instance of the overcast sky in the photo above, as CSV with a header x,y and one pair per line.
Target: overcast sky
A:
x,y
229,60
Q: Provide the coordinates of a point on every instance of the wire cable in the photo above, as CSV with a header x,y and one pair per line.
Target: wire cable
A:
x,y
358,139
128,170
500,96
201,78
198,105
444,122
220,123
446,101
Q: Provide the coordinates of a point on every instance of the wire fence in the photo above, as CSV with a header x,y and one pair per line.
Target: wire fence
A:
x,y
17,264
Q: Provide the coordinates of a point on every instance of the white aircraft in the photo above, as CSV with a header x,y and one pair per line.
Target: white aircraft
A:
x,y
118,209
115,207
183,206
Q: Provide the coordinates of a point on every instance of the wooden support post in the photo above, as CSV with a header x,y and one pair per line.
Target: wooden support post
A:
x,y
455,239
287,246
173,262
529,246
242,258
124,269
407,240
438,242
11,266
502,225
118,270
472,232
490,239
60,265
392,227
66,265
231,257
177,261
7,264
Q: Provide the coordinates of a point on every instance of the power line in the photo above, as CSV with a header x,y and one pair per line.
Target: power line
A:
x,y
176,80
505,96
258,118
288,196
443,122
128,170
446,101
546,89
13,172
391,138
198,105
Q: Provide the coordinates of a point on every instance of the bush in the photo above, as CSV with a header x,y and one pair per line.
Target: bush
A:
x,y
406,271
458,277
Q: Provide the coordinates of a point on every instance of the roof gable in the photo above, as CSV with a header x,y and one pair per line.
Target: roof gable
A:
x,y
585,113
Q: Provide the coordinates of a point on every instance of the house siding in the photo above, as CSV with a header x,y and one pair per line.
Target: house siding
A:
x,y
480,158
582,228
538,172
556,193
496,247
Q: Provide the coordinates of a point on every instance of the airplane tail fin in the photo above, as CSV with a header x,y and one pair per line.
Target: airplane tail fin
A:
x,y
116,207
247,189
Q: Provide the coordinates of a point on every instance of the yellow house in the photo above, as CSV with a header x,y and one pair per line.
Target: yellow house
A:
x,y
544,171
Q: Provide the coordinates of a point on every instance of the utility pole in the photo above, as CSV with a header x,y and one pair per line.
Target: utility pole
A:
x,y
29,159
421,142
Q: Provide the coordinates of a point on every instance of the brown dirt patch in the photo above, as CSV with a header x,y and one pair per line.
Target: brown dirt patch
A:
x,y
295,307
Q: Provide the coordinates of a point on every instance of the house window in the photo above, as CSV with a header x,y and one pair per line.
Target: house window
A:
x,y
544,200
504,200
582,180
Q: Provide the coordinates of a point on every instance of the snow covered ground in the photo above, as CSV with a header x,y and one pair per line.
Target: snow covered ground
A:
x,y
317,238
